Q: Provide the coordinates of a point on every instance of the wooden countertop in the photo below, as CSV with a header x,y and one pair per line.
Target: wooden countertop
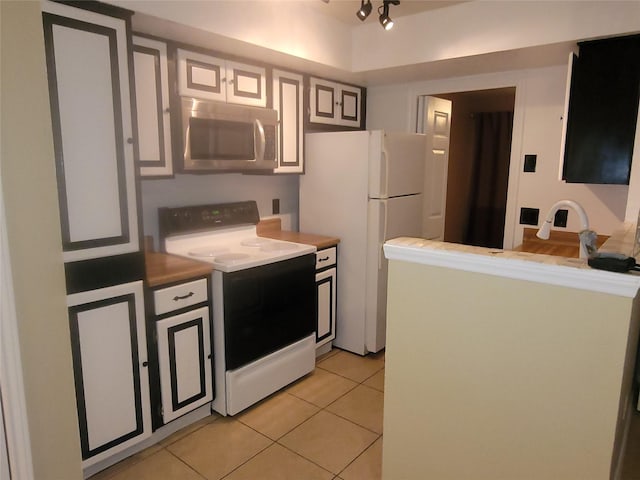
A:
x,y
162,268
560,243
271,228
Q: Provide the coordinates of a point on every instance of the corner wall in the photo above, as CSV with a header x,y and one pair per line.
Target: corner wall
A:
x,y
33,230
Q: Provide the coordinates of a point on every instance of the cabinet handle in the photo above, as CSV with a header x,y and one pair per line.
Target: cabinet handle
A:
x,y
183,297
167,110
130,141
145,364
209,356
323,259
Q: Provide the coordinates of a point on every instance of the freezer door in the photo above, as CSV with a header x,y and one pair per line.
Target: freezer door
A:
x,y
397,162
387,219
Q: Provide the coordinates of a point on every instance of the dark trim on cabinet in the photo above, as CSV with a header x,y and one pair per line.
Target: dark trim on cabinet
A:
x,y
320,113
197,323
199,86
297,86
352,95
78,376
328,280
243,94
162,161
68,245
103,272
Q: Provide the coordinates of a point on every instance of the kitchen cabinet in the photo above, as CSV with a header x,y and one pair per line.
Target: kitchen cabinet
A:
x,y
288,101
92,130
110,368
335,103
152,107
326,276
181,327
602,111
208,77
90,91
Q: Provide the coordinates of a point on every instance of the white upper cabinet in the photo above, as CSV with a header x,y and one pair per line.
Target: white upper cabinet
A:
x,y
335,103
88,71
207,77
152,107
288,97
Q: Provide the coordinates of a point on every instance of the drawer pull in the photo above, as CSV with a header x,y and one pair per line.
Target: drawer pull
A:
x,y
183,297
323,259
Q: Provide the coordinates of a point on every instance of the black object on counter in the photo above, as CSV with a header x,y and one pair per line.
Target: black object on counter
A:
x,y
613,262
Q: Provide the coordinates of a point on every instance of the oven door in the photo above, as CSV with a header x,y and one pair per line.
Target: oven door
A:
x,y
267,308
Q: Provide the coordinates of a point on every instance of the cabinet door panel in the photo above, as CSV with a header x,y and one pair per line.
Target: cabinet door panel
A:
x,y
200,76
246,84
350,106
184,356
288,102
326,286
110,356
323,102
152,106
88,72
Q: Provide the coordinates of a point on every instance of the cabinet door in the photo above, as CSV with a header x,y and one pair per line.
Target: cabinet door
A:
x,y
110,368
323,101
288,91
88,71
326,321
152,107
201,76
184,356
246,84
349,106
334,103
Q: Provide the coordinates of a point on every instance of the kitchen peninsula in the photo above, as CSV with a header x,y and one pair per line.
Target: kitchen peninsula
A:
x,y
505,365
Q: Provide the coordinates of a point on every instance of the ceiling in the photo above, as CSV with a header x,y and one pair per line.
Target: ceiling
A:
x,y
345,10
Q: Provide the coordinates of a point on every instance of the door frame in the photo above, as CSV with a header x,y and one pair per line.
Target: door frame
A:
x,y
512,236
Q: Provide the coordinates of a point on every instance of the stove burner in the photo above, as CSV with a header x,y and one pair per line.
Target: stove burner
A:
x,y
255,242
207,252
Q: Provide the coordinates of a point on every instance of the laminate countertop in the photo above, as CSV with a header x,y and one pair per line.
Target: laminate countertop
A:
x,y
162,268
271,228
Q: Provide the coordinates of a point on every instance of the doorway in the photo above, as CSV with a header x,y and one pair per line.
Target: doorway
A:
x,y
478,170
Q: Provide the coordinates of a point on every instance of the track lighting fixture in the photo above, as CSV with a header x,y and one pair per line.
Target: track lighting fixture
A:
x,y
385,19
383,12
365,10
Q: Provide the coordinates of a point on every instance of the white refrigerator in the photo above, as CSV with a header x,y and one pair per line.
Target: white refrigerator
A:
x,y
364,187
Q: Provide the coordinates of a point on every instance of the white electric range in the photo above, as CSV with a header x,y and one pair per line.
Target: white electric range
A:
x,y
263,295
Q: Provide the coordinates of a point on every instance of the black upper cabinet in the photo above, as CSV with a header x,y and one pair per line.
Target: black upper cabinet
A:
x,y
603,109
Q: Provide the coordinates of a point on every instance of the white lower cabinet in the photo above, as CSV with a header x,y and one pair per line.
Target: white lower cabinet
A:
x,y
326,275
111,370
182,377
184,359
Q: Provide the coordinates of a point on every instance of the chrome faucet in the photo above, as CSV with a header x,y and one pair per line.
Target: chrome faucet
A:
x,y
587,237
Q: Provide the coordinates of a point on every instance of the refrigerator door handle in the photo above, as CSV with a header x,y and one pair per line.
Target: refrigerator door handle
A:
x,y
382,232
384,173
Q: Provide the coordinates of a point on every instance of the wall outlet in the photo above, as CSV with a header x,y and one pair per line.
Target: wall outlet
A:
x,y
560,220
529,216
530,162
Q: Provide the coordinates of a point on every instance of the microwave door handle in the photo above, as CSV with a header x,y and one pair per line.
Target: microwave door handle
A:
x,y
260,140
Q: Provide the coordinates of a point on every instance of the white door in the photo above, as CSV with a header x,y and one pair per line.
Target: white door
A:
x,y
397,164
387,219
436,125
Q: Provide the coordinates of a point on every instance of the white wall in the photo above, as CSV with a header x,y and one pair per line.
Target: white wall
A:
x,y
537,130
476,28
220,188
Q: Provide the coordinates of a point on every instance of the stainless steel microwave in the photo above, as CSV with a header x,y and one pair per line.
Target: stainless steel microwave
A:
x,y
226,137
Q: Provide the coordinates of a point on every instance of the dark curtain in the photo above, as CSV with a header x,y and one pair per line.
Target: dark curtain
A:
x,y
490,175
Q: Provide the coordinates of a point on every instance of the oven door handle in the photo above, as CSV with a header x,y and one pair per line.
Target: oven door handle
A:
x,y
260,142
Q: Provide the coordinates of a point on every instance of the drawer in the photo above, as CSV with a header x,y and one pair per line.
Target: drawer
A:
x,y
325,258
180,296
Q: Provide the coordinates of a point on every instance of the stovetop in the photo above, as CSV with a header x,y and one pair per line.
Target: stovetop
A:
x,y
219,234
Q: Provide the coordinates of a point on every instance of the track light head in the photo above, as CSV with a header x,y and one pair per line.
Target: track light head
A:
x,y
365,10
385,19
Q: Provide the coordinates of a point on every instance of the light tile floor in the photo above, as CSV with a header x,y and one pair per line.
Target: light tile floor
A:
x,y
325,426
